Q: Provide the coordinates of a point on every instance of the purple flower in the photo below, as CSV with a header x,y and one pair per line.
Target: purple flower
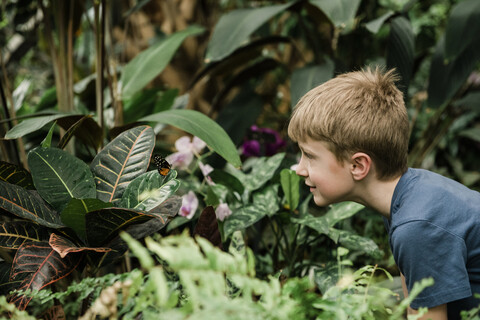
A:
x,y
262,142
222,211
189,205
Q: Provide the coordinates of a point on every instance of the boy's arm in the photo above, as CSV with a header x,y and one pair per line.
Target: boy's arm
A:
x,y
435,313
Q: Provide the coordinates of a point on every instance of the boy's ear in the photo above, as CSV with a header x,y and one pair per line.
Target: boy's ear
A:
x,y
360,165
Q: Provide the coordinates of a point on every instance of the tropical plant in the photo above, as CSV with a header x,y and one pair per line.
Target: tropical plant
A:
x,y
71,216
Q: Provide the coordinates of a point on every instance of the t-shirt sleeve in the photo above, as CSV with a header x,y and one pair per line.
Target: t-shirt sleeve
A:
x,y
423,250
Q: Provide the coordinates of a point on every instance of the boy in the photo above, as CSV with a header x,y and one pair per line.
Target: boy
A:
x,y
353,133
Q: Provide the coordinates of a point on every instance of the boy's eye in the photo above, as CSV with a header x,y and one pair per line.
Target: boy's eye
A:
x,y
308,155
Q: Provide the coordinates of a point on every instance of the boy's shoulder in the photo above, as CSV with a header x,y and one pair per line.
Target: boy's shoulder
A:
x,y
424,195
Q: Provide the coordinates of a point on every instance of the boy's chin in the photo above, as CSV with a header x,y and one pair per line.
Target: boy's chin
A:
x,y
321,202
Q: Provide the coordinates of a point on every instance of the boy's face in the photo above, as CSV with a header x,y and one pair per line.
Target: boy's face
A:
x,y
330,181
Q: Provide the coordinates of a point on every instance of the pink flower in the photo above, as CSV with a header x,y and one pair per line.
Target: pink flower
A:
x,y
186,148
222,211
189,205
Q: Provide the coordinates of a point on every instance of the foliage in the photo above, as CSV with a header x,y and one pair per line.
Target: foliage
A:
x,y
74,215
194,279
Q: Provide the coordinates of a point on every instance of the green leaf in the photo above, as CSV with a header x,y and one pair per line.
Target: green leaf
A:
x,y
47,142
337,212
309,77
268,199
472,133
147,192
31,125
446,78
86,129
58,176
340,12
14,174
150,63
234,29
243,218
356,242
198,124
375,25
401,50
104,224
262,171
463,28
121,161
73,215
24,204
290,186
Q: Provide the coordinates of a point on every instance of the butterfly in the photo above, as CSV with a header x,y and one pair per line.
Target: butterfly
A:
x,y
163,166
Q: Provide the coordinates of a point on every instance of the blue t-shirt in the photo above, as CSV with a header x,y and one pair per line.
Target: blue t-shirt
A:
x,y
434,231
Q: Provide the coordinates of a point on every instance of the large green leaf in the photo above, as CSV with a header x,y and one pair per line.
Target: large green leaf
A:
x,y
340,12
150,63
147,191
263,170
104,224
58,176
14,174
447,77
234,28
24,204
73,215
198,124
121,161
401,50
14,233
463,28
33,124
309,77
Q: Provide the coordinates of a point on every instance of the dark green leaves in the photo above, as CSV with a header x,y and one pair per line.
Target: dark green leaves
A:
x,y
121,161
151,62
340,12
234,28
15,175
401,50
24,204
463,28
58,176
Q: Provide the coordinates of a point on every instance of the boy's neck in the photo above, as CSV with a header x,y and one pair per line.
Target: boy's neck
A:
x,y
377,194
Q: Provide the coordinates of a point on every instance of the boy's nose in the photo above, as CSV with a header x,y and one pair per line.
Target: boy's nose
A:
x,y
301,170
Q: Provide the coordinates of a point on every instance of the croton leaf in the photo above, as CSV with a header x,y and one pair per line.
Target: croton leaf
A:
x,y
25,204
86,129
14,174
73,215
63,246
121,161
146,192
104,224
39,265
14,233
58,176
5,284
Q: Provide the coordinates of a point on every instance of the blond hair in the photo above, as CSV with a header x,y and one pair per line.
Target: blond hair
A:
x,y
361,111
